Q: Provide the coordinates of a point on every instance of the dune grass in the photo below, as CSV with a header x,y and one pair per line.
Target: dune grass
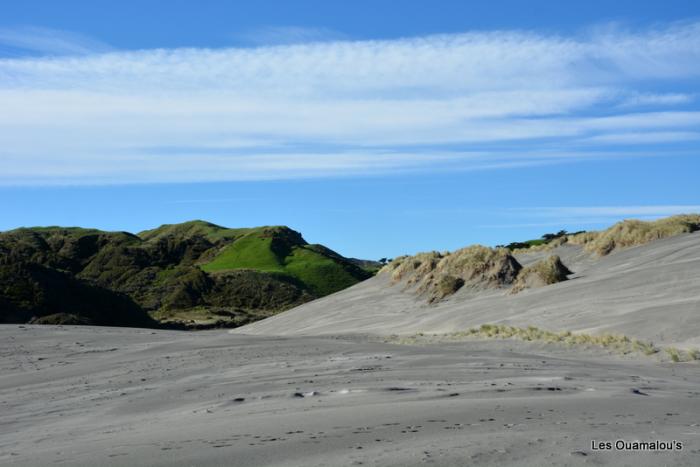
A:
x,y
624,234
437,275
633,232
545,272
613,342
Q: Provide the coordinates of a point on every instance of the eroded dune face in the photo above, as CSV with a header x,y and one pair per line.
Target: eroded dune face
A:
x,y
644,286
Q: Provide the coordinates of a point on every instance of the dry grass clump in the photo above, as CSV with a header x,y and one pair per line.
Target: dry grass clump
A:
x,y
438,275
582,238
616,343
447,285
633,232
624,234
546,272
412,268
392,265
619,343
680,355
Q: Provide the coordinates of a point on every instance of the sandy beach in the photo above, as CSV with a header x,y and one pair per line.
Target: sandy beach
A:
x,y
85,396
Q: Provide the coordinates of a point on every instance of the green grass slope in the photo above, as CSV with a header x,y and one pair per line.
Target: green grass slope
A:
x,y
283,251
250,252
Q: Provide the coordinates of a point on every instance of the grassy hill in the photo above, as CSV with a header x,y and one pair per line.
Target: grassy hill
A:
x,y
281,250
194,274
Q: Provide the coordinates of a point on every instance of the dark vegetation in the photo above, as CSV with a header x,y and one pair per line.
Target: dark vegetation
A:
x,y
369,265
545,239
190,275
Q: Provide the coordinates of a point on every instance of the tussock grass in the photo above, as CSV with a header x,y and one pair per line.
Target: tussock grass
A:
x,y
438,275
546,272
625,234
674,354
614,342
633,232
413,268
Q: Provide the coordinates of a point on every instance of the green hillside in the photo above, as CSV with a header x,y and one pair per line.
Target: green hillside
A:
x,y
283,251
195,274
252,251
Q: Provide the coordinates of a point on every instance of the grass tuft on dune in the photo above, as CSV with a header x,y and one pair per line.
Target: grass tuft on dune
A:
x,y
614,342
546,272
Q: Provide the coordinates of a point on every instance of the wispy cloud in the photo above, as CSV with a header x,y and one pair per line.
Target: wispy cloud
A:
x,y
380,106
45,41
645,138
172,168
285,35
646,99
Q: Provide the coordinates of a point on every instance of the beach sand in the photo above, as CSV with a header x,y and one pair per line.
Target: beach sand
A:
x,y
87,396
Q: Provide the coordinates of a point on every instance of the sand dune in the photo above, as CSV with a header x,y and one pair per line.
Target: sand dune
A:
x,y
647,292
318,386
83,396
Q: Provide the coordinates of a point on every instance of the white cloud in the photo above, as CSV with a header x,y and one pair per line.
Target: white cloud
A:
x,y
194,167
305,109
645,138
639,99
48,42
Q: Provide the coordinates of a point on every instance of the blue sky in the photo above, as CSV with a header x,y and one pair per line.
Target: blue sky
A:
x,y
373,129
